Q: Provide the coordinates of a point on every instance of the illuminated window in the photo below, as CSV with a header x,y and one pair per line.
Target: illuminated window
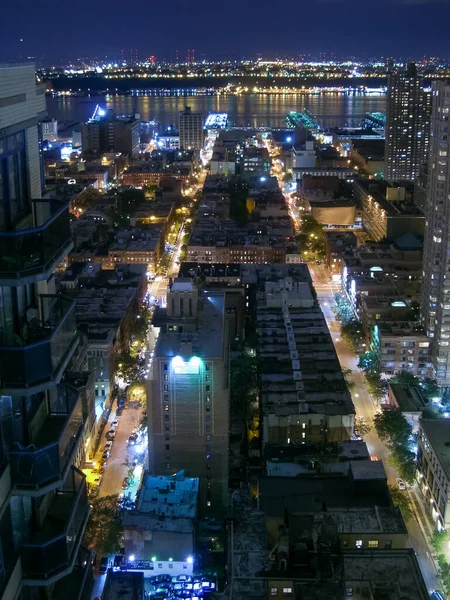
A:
x,y
287,591
207,377
208,457
166,408
273,591
208,438
208,398
373,543
166,378
166,388
358,544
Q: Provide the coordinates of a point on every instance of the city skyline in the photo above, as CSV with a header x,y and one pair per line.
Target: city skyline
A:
x,y
412,29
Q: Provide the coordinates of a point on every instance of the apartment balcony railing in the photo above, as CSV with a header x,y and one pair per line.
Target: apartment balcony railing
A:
x,y
36,358
31,254
44,464
52,551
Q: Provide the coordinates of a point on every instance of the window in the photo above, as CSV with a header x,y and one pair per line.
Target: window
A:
x,y
208,447
207,377
166,367
170,565
206,367
373,543
159,565
358,544
287,591
167,456
208,457
166,388
208,418
207,408
208,388
208,398
166,378
208,438
166,408
167,446
166,417
273,591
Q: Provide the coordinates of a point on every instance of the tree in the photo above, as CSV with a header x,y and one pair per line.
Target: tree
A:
x,y
346,373
392,427
438,539
343,310
287,178
369,362
243,372
406,378
376,386
104,530
362,426
127,367
401,500
351,334
404,461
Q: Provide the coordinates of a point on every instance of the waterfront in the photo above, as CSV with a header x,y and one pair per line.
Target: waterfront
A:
x,y
249,110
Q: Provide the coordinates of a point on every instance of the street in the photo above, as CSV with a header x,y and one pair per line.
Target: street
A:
x,y
419,526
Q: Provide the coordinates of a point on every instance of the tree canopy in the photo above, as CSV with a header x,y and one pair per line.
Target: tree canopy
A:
x,y
104,530
392,427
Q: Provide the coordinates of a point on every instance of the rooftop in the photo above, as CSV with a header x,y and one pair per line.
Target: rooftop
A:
x,y
123,586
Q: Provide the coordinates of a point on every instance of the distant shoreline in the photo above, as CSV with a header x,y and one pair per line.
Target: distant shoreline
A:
x,y
212,85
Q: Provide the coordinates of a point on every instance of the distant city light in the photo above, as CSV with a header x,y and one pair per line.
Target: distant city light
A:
x,y
170,559
262,179
131,558
289,139
153,558
190,560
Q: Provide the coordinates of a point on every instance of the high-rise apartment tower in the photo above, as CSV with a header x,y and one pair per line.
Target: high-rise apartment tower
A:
x,y
407,125
44,506
436,271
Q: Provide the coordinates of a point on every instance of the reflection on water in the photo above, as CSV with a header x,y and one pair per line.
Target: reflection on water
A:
x,y
254,110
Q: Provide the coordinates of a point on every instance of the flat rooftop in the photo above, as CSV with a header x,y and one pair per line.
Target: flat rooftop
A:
x,y
207,341
123,586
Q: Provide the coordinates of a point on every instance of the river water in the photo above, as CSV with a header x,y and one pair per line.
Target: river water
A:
x,y
249,110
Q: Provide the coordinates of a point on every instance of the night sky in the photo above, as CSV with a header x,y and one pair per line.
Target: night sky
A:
x,y
55,31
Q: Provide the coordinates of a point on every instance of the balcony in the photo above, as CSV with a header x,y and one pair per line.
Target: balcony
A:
x,y
53,549
44,464
39,355
31,254
78,585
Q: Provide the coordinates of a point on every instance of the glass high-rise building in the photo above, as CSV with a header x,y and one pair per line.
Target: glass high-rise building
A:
x,y
436,271
43,501
407,125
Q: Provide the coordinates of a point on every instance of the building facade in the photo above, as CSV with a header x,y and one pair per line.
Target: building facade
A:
x,y
436,283
407,125
188,395
191,129
105,132
44,506
433,467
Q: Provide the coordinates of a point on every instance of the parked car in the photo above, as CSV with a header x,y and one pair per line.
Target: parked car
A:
x,y
108,445
111,433
133,439
104,564
105,454
98,480
163,578
185,578
401,484
114,424
125,483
